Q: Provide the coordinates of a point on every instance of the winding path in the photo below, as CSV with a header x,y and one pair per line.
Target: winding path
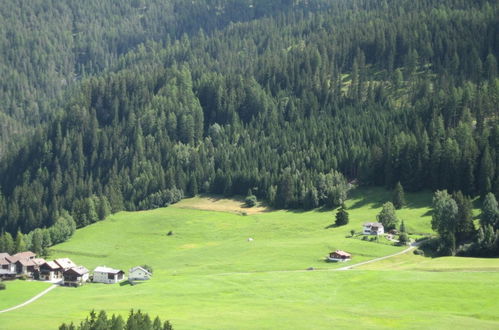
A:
x,y
38,296
412,247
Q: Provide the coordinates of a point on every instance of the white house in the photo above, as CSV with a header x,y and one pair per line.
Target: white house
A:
x,y
75,276
139,273
373,228
103,274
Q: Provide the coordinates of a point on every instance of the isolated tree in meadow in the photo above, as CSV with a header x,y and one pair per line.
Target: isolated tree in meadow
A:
x,y
387,216
398,196
490,211
352,232
341,216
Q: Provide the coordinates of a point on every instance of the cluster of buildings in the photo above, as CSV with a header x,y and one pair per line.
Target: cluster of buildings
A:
x,y
368,228
62,270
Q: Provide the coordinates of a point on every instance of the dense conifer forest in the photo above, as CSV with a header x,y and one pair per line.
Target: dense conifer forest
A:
x,y
129,105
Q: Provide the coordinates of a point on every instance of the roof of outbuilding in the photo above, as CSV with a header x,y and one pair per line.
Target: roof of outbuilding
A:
x,y
373,224
79,270
24,255
139,268
104,269
65,263
342,253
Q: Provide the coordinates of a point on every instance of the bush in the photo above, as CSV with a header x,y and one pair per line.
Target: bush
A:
x,y
250,201
365,238
419,252
2,286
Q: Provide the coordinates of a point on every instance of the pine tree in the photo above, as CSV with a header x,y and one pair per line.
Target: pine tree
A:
x,y
341,216
490,211
20,244
398,196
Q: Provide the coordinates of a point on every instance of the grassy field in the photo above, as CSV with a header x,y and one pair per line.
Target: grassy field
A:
x,y
207,275
19,291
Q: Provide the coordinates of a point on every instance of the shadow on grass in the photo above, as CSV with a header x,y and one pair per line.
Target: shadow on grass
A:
x,y
377,196
131,283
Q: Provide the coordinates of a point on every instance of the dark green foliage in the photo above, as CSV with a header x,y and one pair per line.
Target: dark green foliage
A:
x,y
398,196
140,108
444,221
136,321
250,200
2,285
148,268
403,238
490,212
465,228
341,216
402,227
387,216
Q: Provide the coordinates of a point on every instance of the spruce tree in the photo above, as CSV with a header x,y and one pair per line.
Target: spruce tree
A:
x,y
341,216
398,196
490,211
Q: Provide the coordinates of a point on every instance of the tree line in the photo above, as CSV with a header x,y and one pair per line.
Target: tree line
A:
x,y
293,106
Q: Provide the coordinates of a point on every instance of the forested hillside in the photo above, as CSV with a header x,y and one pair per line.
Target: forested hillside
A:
x,y
292,105
47,47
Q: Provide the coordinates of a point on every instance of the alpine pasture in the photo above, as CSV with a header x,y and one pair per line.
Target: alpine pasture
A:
x,y
208,275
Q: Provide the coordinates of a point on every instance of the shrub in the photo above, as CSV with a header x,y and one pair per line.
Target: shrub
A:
x,y
419,252
365,238
2,286
250,201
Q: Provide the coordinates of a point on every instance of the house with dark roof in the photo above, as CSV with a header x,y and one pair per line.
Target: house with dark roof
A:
x,y
50,271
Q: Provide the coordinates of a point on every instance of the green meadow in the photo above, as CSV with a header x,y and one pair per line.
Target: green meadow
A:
x,y
207,275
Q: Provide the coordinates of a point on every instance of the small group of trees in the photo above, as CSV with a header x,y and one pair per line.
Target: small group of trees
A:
x,y
39,239
453,221
135,321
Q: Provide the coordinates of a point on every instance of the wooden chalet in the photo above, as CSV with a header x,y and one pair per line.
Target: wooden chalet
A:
x,y
75,276
339,256
50,271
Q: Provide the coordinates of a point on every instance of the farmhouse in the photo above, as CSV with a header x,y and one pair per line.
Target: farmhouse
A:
x,y
139,273
339,256
373,228
50,271
65,263
75,276
103,274
25,267
6,263
24,255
